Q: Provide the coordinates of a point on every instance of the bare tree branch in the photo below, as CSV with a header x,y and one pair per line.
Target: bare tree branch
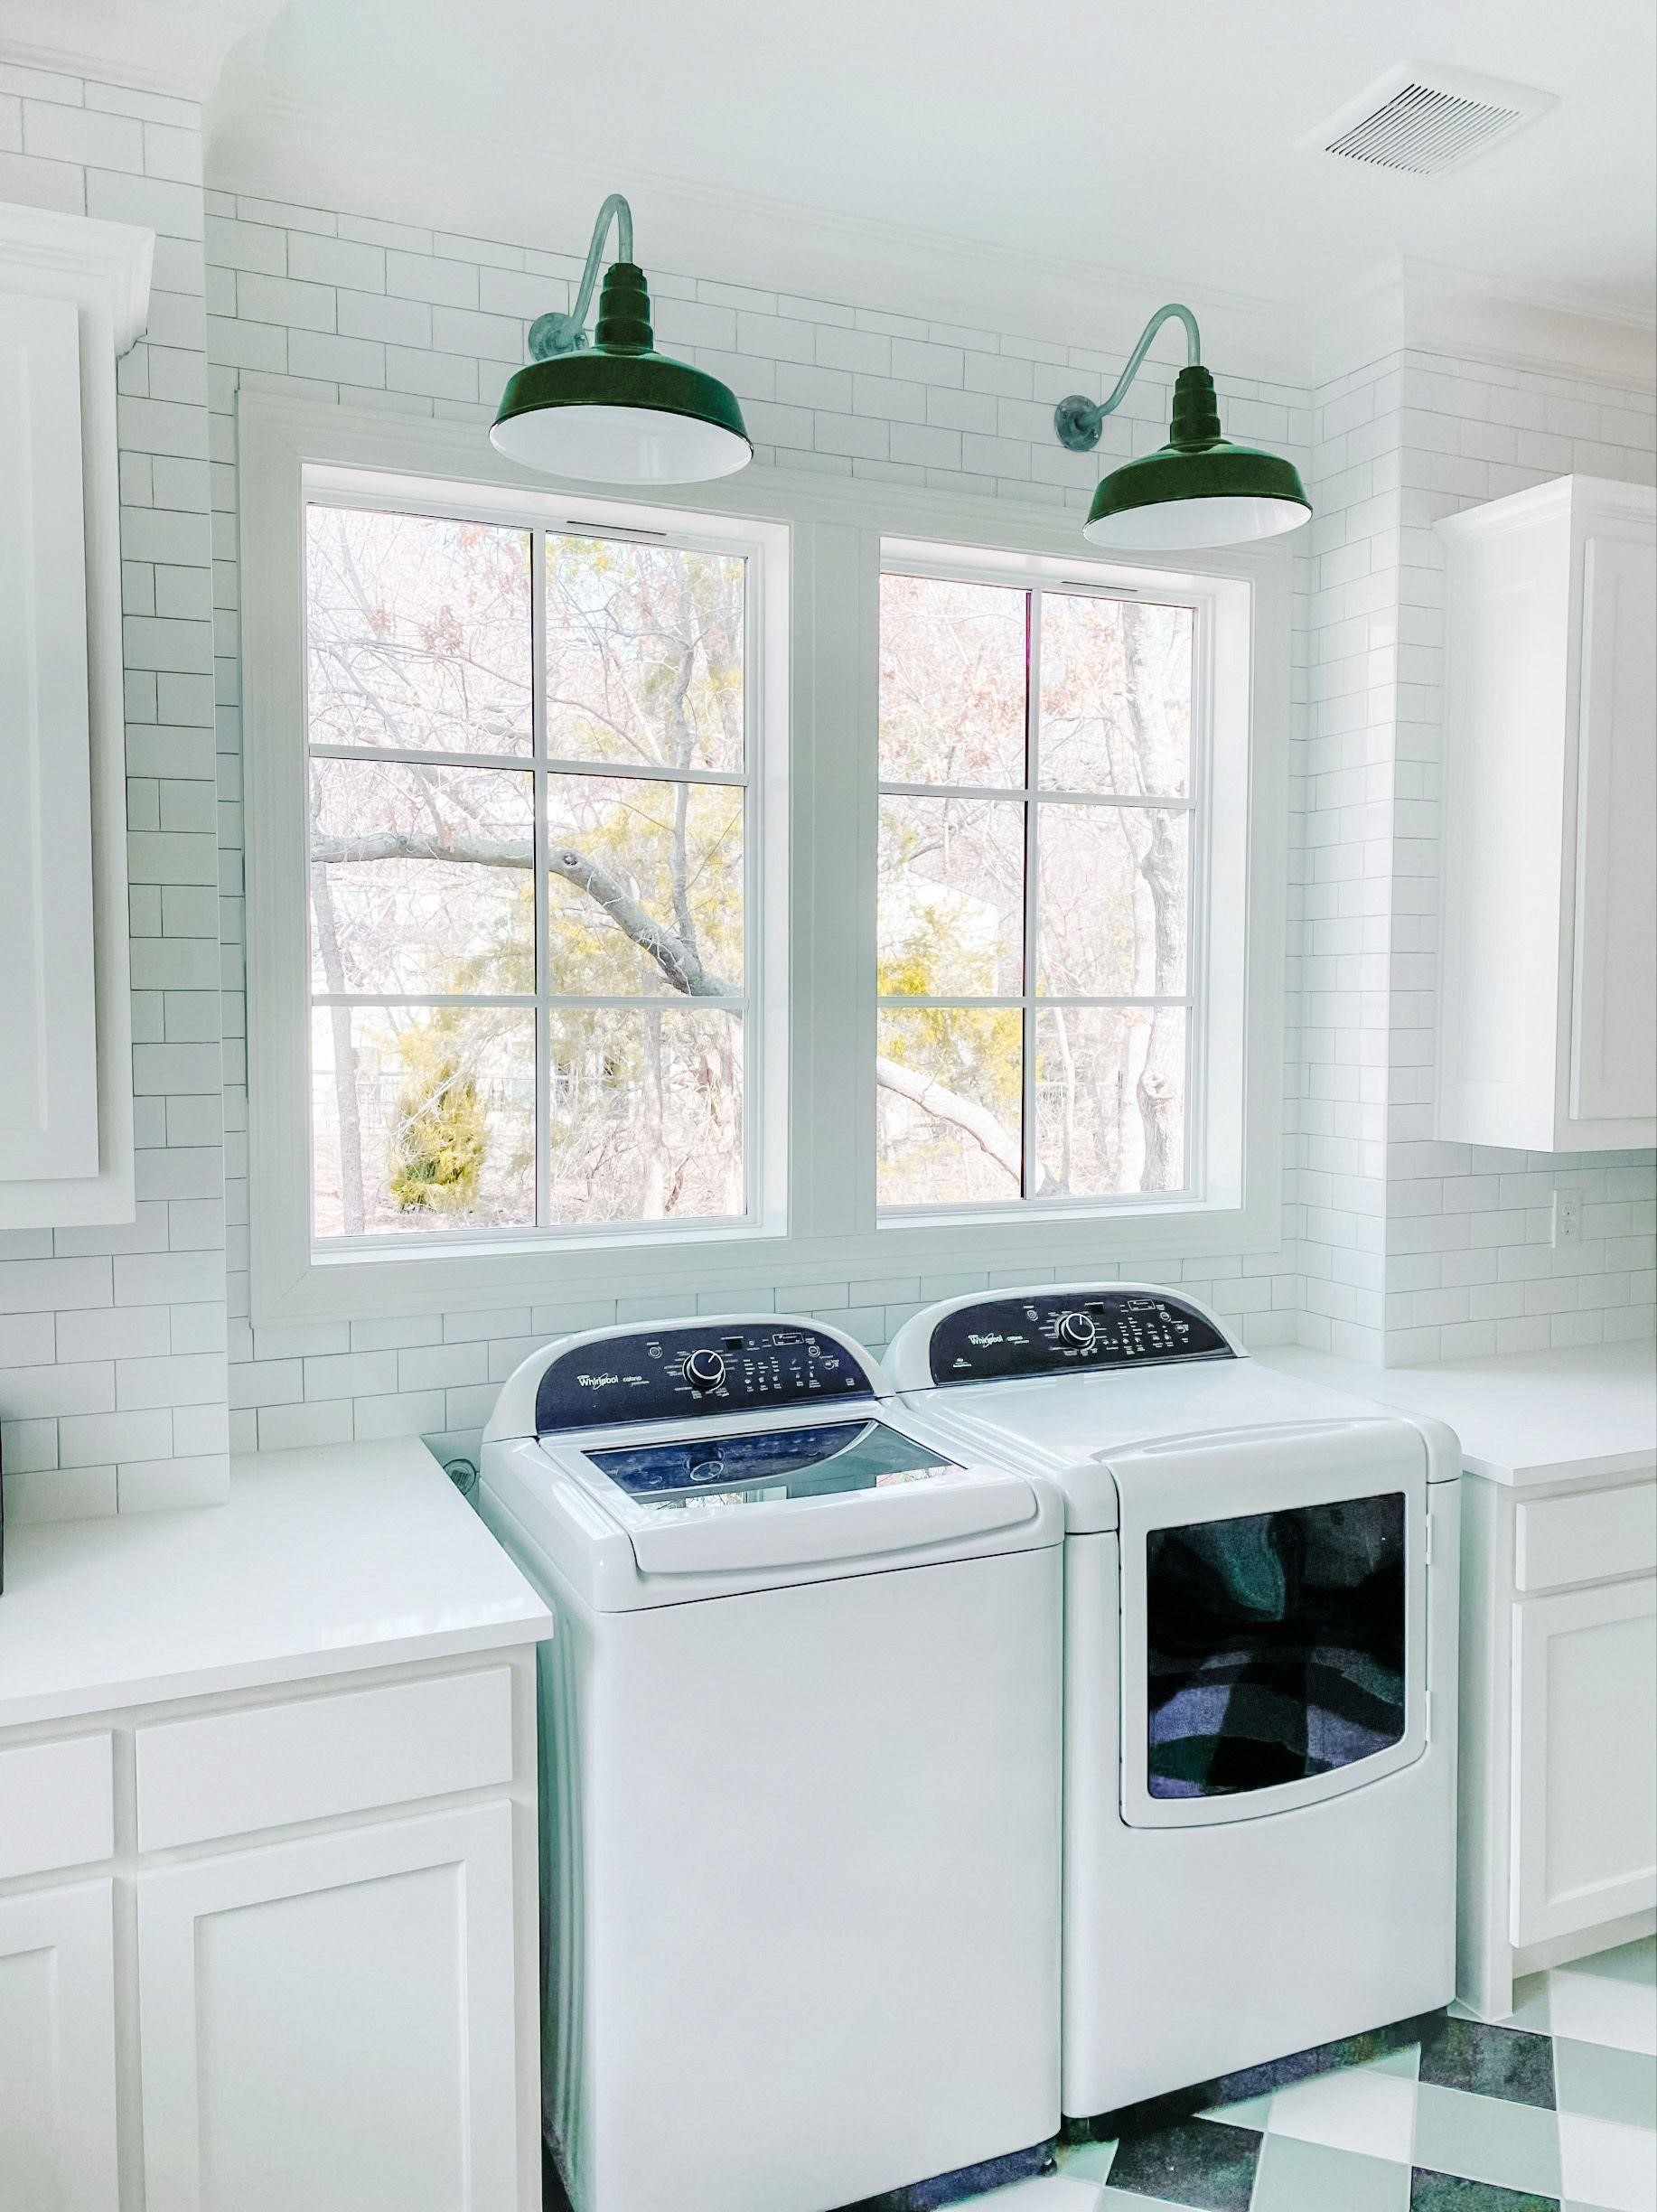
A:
x,y
677,962
974,1120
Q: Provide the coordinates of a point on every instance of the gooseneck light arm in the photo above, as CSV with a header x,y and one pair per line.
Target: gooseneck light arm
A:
x,y
552,334
1077,421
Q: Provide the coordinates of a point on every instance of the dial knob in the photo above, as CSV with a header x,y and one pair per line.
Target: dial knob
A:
x,y
703,1369
1076,1328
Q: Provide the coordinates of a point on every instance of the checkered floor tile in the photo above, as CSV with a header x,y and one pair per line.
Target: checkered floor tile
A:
x,y
1554,2111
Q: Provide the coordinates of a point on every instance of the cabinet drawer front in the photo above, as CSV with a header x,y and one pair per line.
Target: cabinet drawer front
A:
x,y
231,1774
1586,1539
57,1805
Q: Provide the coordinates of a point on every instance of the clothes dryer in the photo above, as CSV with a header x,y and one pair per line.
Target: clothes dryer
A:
x,y
1259,1678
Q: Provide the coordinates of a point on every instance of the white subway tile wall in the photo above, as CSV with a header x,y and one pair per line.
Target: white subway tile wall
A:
x,y
1412,1250
112,1346
112,1341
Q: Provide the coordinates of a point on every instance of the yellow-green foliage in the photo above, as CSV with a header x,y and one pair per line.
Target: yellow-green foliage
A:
x,y
437,1145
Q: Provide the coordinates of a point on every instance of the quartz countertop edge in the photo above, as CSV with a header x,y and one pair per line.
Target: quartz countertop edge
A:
x,y
329,1560
1525,1418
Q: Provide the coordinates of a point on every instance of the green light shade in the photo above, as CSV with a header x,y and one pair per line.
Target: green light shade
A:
x,y
1198,489
619,412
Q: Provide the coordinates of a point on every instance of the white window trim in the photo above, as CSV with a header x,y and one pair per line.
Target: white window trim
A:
x,y
837,531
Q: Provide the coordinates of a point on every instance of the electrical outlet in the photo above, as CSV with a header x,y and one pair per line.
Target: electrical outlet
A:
x,y
1566,1217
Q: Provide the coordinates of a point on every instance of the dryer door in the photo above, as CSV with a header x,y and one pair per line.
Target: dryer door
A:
x,y
1274,1617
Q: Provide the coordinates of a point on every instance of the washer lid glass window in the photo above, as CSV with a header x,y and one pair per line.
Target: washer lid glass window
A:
x,y
769,1466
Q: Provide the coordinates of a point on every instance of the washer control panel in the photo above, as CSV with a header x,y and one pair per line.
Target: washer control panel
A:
x,y
1058,1332
695,1368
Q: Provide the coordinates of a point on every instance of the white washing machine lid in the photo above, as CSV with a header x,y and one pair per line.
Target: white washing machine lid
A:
x,y
780,1470
1072,1421
845,1486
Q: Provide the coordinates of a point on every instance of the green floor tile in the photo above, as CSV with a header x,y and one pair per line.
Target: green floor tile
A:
x,y
1487,2139
1439,2192
1606,2083
1305,2177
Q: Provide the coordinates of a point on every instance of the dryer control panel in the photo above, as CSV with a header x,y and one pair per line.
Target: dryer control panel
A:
x,y
1058,1333
668,1373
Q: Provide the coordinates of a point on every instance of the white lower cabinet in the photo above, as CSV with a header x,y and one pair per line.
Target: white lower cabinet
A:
x,y
57,2050
331,2003
329,2023
1584,1767
1558,1728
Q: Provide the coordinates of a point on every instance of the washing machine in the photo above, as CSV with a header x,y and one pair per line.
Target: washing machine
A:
x,y
1259,1678
800,1771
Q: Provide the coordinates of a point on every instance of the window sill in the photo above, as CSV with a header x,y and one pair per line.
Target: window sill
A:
x,y
702,1271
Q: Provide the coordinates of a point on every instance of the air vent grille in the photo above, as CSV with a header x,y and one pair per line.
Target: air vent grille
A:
x,y
1421,129
1420,120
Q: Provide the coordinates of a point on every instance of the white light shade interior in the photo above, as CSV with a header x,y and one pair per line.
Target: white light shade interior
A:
x,y
1188,525
620,445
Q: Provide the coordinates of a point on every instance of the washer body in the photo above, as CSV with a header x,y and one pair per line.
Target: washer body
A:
x,y
800,1771
1259,1678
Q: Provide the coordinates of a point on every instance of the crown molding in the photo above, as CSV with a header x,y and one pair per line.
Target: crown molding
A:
x,y
73,256
176,47
1435,308
272,146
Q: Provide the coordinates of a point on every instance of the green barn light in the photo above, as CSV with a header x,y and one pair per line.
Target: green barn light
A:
x,y
1198,489
616,411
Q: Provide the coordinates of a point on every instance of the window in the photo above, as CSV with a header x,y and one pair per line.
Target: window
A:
x,y
528,759
809,881
1037,819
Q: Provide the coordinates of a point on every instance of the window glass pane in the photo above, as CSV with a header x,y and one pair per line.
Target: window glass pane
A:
x,y
1110,1100
952,681
646,1113
644,653
421,878
1275,1646
1114,696
950,1105
417,631
422,1118
645,886
951,897
1113,901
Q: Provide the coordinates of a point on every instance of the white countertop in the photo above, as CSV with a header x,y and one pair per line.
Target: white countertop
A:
x,y
324,1560
1526,1417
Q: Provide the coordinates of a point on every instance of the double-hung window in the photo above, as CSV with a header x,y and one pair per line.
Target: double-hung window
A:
x,y
529,754
1038,820
800,882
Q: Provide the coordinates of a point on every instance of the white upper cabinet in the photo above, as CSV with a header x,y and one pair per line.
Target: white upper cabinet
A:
x,y
1548,999
73,296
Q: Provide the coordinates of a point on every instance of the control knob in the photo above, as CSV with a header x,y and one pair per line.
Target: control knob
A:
x,y
703,1369
1076,1329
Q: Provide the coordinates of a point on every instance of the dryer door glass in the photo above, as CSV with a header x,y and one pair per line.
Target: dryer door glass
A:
x,y
1276,1646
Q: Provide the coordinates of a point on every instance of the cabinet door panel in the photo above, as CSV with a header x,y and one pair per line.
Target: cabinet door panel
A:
x,y
1585,1758
57,2050
331,2023
1614,1049
49,1068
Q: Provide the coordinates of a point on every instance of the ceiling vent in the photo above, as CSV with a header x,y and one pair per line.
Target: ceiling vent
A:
x,y
1421,120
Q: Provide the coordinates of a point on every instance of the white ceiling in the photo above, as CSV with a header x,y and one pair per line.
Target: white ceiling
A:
x,y
875,142
1155,138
